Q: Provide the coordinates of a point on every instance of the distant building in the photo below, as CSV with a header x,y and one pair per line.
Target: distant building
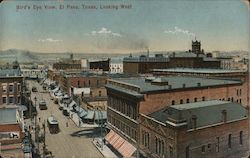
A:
x,y
194,58
233,63
67,64
11,83
116,65
142,64
130,97
202,129
100,64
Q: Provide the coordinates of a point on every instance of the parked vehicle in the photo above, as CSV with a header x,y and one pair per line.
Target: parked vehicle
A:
x,y
34,89
43,105
44,87
65,112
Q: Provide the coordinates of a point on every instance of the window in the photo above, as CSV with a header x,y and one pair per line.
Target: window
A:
x,y
217,147
89,83
203,148
181,101
19,87
187,100
90,93
232,99
4,100
97,83
19,100
173,102
4,88
203,98
171,152
195,99
78,84
229,140
241,137
11,100
209,146
100,93
11,88
187,152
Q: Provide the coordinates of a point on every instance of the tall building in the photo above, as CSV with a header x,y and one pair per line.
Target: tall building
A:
x,y
130,97
11,83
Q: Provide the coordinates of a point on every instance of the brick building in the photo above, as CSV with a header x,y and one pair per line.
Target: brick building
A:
x,y
67,64
10,86
127,98
199,130
102,64
201,72
194,58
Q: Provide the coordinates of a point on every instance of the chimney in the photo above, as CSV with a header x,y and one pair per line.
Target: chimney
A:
x,y
224,115
183,85
169,86
173,54
71,56
194,121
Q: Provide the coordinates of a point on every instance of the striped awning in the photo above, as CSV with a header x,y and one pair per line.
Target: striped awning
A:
x,y
121,145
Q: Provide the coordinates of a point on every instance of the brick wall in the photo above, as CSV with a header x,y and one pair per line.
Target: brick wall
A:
x,y
154,102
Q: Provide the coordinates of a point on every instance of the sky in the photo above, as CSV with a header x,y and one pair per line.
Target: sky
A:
x,y
103,26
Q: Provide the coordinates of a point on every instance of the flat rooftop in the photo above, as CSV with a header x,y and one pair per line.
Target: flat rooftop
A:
x,y
151,84
10,72
190,70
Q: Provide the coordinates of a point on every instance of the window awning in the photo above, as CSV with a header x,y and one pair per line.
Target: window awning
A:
x,y
121,145
90,115
72,104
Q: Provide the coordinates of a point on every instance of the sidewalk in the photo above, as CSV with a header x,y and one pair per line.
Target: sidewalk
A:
x,y
105,151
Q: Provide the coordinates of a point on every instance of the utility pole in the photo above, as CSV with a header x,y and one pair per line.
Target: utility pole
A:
x,y
36,131
44,140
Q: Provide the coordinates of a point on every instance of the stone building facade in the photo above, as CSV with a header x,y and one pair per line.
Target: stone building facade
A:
x,y
182,131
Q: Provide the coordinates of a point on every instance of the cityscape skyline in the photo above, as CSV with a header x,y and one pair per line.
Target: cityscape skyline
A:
x,y
161,26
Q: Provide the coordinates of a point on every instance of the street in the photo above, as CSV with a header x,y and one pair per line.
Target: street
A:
x,y
63,144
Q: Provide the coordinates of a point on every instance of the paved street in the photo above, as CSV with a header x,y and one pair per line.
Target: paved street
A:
x,y
63,144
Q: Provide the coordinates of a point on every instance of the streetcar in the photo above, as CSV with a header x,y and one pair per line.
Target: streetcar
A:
x,y
53,125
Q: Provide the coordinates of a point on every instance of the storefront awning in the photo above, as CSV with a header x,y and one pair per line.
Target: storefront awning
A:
x,y
121,145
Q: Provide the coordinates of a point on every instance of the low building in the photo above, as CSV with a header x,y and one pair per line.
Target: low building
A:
x,y
11,131
203,129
